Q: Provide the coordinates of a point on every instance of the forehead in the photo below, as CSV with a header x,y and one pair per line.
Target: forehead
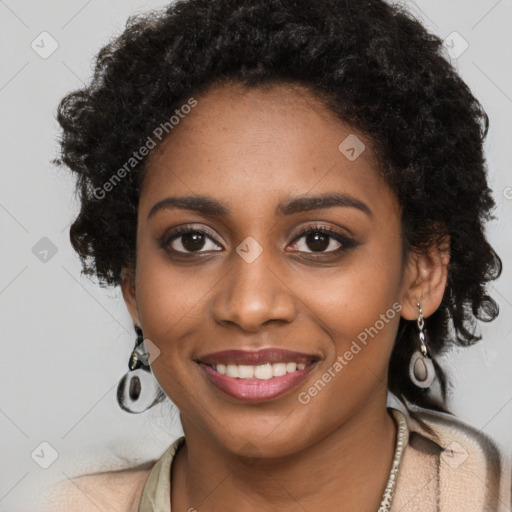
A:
x,y
244,144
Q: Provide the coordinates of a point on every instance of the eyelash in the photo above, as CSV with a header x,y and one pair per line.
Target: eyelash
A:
x,y
345,241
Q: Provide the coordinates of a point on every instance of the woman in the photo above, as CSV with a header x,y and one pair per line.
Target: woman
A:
x,y
292,197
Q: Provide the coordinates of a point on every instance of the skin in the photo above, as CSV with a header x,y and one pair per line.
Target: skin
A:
x,y
251,148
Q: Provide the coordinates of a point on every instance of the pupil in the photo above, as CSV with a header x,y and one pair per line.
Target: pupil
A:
x,y
320,241
193,241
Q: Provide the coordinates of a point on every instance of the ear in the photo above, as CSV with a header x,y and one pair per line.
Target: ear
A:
x,y
130,299
425,280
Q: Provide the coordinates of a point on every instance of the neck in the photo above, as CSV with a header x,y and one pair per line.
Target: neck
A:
x,y
346,470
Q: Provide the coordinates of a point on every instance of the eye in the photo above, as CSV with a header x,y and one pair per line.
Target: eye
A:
x,y
323,240
188,240
318,239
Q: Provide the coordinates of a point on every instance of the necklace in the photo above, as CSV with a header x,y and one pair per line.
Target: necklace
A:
x,y
401,443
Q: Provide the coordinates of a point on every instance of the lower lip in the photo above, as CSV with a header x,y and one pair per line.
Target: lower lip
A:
x,y
256,390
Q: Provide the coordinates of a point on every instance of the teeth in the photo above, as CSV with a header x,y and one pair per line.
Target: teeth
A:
x,y
245,372
291,367
262,371
279,369
232,370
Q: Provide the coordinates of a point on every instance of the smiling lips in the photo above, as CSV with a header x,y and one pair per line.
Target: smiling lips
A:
x,y
256,376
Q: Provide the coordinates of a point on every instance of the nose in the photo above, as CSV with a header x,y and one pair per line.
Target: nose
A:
x,y
253,294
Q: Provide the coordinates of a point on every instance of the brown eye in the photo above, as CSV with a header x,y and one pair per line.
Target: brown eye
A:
x,y
189,240
318,242
193,241
319,239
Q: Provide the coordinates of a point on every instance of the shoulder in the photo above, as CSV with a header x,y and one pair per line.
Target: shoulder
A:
x,y
112,490
467,463
121,491
459,442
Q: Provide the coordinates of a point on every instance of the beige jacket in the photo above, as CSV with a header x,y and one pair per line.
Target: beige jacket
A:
x,y
458,469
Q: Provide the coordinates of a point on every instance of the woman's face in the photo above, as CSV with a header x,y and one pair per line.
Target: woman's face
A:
x,y
246,280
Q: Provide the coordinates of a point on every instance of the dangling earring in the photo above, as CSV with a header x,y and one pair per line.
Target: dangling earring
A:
x,y
138,389
421,367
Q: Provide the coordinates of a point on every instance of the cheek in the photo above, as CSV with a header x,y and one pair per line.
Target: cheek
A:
x,y
171,309
359,307
171,302
165,296
357,294
360,311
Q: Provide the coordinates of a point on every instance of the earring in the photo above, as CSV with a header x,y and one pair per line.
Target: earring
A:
x,y
421,367
135,361
138,389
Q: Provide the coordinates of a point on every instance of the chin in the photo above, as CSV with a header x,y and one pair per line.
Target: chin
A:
x,y
268,436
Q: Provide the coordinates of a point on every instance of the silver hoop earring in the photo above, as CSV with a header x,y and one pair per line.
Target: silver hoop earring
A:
x,y
138,389
421,367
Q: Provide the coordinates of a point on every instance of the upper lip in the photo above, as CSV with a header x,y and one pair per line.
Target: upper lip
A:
x,y
248,357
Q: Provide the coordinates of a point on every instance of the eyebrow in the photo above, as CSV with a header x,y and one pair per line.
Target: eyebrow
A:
x,y
213,208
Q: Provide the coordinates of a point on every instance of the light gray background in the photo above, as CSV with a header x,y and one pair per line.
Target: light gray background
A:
x,y
66,342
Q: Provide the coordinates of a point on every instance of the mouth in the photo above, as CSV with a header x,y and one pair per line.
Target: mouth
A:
x,y
257,376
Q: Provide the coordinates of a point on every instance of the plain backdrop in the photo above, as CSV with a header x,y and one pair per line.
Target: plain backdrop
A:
x,y
66,341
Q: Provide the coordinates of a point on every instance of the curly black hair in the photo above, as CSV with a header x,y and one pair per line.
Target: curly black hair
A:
x,y
373,64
